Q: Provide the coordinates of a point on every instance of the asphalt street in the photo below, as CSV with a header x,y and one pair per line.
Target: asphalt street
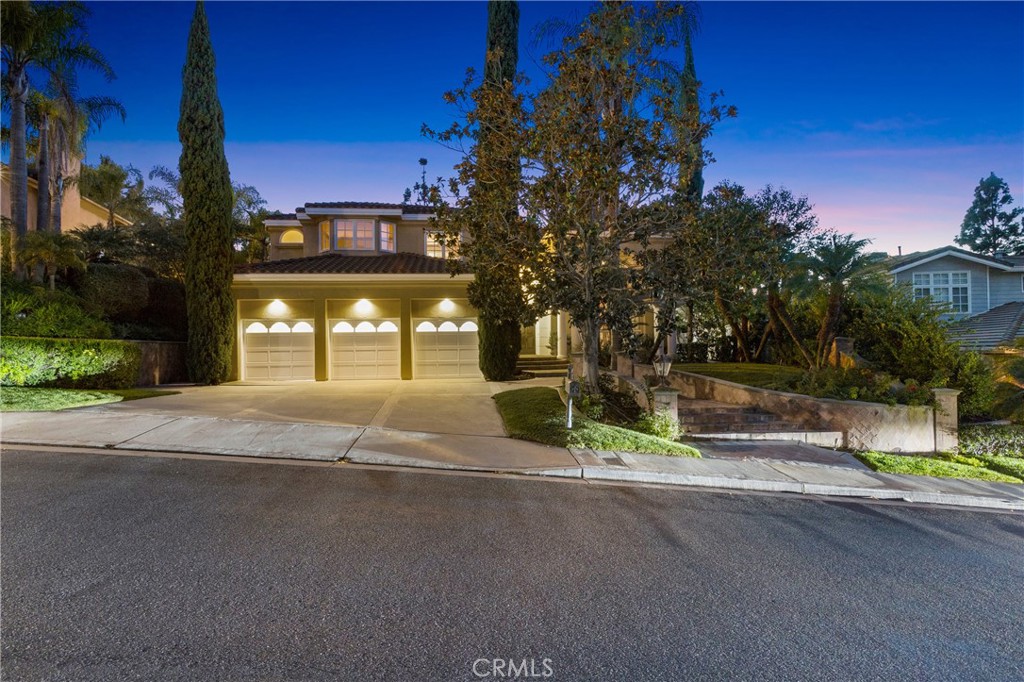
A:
x,y
120,568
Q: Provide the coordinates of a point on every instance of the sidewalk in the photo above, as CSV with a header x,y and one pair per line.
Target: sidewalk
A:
x,y
790,468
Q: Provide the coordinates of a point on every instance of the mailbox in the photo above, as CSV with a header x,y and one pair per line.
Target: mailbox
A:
x,y
574,389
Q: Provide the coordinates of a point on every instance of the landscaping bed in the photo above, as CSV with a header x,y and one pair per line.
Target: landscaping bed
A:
x,y
538,414
16,399
777,377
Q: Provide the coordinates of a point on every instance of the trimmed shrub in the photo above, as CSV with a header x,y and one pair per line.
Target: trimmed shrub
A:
x,y
120,291
499,349
68,363
24,312
660,424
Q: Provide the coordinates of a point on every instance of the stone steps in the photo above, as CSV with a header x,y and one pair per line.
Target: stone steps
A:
x,y
542,365
706,419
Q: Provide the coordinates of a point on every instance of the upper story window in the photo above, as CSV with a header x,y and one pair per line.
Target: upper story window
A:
x,y
291,237
387,237
435,245
354,235
953,288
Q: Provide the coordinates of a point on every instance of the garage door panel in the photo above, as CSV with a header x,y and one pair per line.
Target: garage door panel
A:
x,y
278,356
446,353
366,354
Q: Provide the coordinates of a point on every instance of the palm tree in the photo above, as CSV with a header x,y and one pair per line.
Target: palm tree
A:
x,y
48,36
837,263
73,119
51,251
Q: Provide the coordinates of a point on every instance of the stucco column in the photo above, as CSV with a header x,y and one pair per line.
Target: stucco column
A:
x,y
666,400
947,435
320,354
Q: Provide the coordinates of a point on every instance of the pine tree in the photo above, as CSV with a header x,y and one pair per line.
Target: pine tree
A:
x,y
990,226
206,195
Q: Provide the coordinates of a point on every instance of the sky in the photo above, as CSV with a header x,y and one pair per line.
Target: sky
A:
x,y
885,115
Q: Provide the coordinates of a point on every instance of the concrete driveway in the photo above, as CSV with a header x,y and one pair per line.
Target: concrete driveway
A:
x,y
448,406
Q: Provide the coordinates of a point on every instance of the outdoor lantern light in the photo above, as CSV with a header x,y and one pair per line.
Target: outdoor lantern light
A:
x,y
662,366
277,307
364,307
447,306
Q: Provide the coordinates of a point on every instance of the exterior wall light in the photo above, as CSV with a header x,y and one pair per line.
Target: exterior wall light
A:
x,y
447,306
277,307
364,307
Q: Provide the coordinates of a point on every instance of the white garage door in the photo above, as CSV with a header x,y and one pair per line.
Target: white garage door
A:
x,y
446,349
279,350
365,349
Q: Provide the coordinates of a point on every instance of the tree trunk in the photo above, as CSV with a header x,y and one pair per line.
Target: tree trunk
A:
x,y
43,177
826,332
775,302
590,332
19,163
737,331
58,201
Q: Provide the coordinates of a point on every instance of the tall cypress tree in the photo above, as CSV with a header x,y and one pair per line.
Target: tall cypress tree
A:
x,y
206,195
496,291
691,171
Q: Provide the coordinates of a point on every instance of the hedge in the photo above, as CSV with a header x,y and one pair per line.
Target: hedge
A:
x,y
68,363
120,291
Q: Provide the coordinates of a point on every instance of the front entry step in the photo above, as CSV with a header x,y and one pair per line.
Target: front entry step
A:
x,y
542,365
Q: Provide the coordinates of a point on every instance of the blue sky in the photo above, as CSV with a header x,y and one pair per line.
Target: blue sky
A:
x,y
885,115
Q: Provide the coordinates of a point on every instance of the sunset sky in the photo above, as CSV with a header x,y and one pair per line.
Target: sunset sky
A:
x,y
885,115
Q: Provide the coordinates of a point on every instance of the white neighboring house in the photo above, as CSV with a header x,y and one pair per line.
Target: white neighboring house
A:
x,y
986,293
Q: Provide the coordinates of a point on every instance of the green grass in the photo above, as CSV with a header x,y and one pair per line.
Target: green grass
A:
x,y
746,373
538,414
931,466
15,399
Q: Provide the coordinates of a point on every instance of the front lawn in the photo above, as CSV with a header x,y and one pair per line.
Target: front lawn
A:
x,y
776,377
538,414
16,399
941,466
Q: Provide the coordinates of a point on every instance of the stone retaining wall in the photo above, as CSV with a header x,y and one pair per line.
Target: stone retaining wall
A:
x,y
865,426
163,362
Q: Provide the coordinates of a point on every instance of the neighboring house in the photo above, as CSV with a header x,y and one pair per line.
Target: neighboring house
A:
x,y
358,290
985,293
76,211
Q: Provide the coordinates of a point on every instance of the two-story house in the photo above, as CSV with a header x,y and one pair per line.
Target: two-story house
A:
x,y
359,290
985,293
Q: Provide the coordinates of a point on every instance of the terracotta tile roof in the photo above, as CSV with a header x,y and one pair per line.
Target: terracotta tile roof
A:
x,y
341,264
370,205
281,216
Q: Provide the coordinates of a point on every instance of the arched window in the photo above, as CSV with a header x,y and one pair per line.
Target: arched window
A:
x,y
426,327
387,326
468,326
256,328
302,328
448,326
280,328
292,237
365,327
343,328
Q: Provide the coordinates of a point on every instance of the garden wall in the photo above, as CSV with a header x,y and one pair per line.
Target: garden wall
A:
x,y
865,426
163,362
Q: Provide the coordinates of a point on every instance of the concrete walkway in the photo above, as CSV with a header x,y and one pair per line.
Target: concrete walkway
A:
x,y
767,467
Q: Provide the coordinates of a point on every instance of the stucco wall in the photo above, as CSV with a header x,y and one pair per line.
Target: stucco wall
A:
x,y
163,362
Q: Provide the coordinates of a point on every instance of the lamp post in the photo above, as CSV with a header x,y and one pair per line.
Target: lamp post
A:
x,y
662,366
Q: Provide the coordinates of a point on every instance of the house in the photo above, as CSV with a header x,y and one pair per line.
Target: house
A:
x,y
360,290
76,211
985,293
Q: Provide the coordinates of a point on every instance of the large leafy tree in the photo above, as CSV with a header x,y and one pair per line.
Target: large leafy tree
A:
x,y
608,141
207,202
51,37
992,224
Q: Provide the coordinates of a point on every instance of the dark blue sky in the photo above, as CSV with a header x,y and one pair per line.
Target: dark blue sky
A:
x,y
885,115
